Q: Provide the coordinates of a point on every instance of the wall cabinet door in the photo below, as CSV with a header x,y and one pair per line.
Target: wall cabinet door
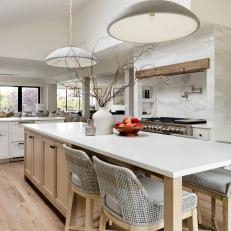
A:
x,y
61,178
29,149
49,168
37,160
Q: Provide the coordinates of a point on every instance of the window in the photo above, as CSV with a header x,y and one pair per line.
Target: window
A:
x,y
61,99
19,98
30,97
69,99
74,100
8,98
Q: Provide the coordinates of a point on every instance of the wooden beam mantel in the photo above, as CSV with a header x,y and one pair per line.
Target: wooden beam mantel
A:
x,y
175,69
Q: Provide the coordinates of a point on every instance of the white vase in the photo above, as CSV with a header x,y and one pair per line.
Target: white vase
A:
x,y
103,121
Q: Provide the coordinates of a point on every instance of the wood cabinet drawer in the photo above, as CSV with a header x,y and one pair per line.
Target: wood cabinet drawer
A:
x,y
203,134
17,149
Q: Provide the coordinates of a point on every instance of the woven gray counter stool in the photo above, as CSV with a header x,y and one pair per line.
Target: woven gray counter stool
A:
x,y
83,181
217,185
136,203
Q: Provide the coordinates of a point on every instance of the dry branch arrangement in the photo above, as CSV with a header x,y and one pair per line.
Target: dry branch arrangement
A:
x,y
113,88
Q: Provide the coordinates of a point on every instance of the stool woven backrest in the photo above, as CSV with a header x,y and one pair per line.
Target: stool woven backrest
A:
x,y
80,164
122,186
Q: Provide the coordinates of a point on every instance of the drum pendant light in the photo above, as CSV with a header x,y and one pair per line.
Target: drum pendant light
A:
x,y
71,57
153,21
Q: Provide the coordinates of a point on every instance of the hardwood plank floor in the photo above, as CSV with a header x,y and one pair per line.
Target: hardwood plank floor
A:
x,y
22,209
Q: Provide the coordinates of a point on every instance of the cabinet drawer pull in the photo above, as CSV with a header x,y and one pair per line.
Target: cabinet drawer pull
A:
x,y
31,137
52,146
21,143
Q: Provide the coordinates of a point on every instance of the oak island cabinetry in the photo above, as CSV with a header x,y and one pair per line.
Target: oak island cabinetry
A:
x,y
46,168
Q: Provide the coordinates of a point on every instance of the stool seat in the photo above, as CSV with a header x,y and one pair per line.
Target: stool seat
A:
x,y
75,180
218,180
155,190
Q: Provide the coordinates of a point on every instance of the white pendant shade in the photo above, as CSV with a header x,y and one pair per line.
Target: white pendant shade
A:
x,y
153,21
71,57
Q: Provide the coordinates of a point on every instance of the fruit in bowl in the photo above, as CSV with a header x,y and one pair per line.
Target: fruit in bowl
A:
x,y
130,126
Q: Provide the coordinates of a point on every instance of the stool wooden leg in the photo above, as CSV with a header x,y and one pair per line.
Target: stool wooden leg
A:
x,y
110,222
103,221
69,209
193,221
213,213
89,214
190,224
226,214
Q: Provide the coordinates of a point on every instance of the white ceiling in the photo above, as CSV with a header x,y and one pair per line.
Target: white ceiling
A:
x,y
22,68
20,12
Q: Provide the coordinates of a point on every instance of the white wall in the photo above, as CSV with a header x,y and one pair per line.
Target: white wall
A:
x,y
200,45
92,20
223,75
49,97
215,11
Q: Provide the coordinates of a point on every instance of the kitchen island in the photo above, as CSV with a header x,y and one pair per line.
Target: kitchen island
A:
x,y
168,156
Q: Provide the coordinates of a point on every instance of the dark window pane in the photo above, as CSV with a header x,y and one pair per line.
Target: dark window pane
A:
x,y
8,98
30,97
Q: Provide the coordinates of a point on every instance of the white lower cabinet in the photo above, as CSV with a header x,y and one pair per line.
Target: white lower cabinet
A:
x,y
16,131
201,133
16,149
4,144
12,137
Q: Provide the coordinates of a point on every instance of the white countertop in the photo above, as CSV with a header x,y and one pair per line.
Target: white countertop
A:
x,y
167,155
22,119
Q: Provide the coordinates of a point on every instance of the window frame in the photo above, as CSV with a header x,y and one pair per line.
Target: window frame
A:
x,y
20,94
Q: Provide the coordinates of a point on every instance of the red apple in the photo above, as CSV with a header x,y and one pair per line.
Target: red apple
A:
x,y
118,123
134,120
138,125
126,120
129,125
121,125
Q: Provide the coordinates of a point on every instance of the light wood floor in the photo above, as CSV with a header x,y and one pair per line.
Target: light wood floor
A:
x,y
22,209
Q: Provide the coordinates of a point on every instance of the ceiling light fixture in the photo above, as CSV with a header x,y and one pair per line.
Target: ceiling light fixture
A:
x,y
153,21
71,57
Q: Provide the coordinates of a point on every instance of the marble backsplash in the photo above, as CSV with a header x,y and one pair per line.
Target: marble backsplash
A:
x,y
169,94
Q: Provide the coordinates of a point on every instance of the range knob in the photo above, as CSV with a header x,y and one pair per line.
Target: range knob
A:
x,y
163,130
177,130
182,131
159,128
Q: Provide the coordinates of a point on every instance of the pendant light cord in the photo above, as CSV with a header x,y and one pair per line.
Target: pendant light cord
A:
x,y
70,26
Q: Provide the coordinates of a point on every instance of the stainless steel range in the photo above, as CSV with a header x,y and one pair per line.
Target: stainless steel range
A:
x,y
170,125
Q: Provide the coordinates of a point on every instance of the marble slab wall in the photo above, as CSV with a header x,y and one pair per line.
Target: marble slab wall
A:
x,y
169,101
222,75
